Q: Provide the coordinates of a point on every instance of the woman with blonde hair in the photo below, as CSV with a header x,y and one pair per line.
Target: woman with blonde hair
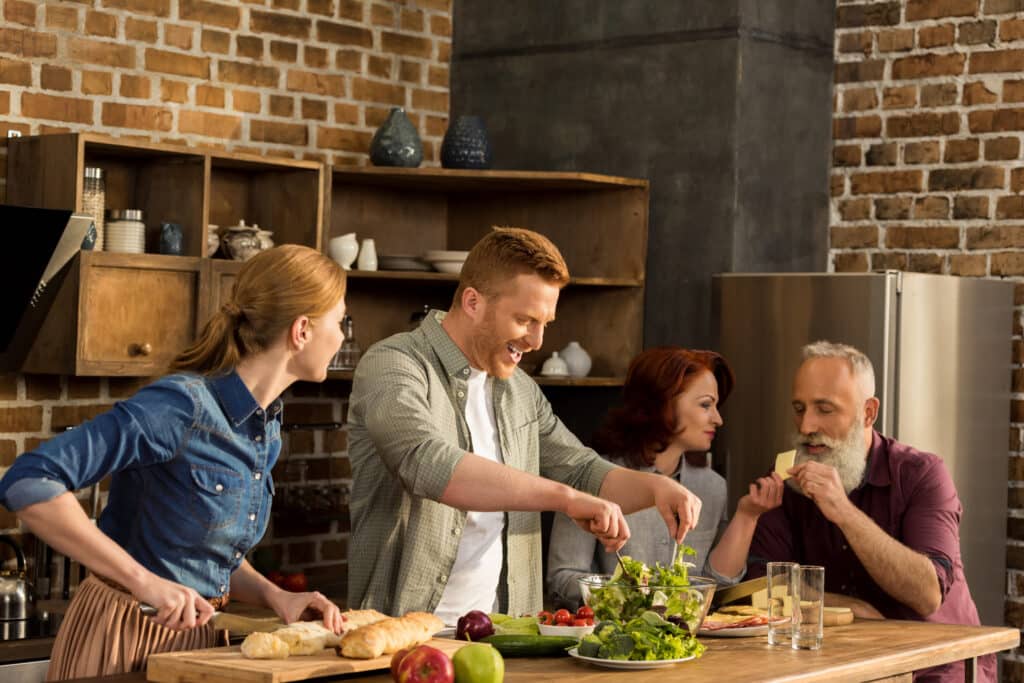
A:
x,y
190,459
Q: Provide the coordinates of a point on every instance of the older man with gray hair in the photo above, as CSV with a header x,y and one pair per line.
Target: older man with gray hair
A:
x,y
882,517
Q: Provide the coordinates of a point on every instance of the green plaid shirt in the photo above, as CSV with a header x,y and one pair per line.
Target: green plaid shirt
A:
x,y
407,431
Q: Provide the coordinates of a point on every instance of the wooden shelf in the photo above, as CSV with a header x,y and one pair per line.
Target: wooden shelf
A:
x,y
448,180
427,276
346,376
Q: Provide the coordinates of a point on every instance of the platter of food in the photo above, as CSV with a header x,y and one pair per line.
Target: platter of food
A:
x,y
628,664
736,621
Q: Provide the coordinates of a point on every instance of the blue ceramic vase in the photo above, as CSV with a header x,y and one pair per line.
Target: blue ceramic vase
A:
x,y
171,239
396,142
466,144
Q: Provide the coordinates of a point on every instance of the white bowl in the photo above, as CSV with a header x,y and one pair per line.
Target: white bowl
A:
x,y
441,255
448,266
570,631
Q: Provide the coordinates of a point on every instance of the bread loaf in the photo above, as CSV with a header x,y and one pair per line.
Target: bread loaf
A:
x,y
264,646
362,617
390,635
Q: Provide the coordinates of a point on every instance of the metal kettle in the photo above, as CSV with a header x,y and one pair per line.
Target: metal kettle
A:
x,y
15,594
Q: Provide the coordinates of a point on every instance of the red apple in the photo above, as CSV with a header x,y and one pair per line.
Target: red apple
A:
x,y
425,664
396,659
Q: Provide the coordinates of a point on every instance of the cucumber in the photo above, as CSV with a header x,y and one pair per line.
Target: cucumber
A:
x,y
531,646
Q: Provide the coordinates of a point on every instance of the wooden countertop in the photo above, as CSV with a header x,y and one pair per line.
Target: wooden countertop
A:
x,y
862,651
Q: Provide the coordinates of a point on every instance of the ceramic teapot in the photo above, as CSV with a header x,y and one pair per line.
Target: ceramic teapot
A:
x,y
241,242
15,593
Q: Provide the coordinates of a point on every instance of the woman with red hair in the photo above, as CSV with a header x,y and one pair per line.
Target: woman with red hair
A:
x,y
666,424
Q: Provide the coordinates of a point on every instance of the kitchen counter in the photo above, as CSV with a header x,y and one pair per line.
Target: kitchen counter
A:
x,y
862,651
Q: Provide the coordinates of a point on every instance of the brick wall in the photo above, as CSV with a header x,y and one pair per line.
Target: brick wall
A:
x,y
927,169
306,79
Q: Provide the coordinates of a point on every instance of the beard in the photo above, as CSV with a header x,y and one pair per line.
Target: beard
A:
x,y
847,455
488,350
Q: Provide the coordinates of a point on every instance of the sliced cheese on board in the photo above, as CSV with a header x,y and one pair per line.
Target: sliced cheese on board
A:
x,y
783,461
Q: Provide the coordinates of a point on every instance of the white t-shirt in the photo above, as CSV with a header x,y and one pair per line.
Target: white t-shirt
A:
x,y
473,582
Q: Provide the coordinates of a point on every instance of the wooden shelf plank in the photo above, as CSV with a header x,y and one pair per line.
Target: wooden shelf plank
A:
x,y
346,376
453,179
425,276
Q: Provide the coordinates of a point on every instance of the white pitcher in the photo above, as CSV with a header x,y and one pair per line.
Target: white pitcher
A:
x,y
344,249
368,255
578,360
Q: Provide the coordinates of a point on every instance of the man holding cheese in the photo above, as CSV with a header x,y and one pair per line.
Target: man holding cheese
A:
x,y
882,517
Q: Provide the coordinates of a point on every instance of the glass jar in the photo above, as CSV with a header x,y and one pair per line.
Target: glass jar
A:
x,y
94,198
348,355
126,233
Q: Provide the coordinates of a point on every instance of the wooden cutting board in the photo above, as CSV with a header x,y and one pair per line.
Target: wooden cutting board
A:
x,y
224,664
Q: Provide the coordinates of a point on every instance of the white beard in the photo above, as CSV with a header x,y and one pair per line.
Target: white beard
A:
x,y
846,455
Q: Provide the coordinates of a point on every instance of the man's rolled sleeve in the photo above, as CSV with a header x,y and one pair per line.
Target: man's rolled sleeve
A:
x,y
931,522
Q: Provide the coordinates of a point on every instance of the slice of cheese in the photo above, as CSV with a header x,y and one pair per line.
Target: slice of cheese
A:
x,y
783,461
760,599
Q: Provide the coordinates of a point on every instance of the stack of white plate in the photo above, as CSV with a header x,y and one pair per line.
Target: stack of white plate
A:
x,y
125,232
446,261
400,262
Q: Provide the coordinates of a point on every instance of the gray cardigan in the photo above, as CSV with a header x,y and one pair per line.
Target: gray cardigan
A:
x,y
574,553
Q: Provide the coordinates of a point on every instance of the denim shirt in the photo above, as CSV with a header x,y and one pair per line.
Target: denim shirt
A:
x,y
190,492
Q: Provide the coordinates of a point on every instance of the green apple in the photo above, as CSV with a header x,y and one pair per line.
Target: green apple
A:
x,y
478,663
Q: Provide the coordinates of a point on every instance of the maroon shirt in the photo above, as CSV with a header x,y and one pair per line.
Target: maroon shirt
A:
x,y
910,496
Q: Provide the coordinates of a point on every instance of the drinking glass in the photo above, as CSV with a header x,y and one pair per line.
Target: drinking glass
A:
x,y
809,628
781,597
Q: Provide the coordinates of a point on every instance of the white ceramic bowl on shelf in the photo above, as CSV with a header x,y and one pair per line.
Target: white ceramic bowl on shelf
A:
x,y
454,267
443,255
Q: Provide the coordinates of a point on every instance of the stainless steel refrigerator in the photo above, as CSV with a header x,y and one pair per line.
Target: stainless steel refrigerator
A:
x,y
941,347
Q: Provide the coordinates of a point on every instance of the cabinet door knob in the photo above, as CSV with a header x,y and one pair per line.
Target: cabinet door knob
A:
x,y
141,349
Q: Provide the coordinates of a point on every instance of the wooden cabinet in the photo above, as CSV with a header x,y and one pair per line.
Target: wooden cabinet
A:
x,y
598,222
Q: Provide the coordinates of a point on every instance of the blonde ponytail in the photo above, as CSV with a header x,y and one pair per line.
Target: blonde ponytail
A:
x,y
273,289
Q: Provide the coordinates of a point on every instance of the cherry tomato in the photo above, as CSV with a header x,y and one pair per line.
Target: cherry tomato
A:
x,y
590,622
584,613
580,622
563,618
546,618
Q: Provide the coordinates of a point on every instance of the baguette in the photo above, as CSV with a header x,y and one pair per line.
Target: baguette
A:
x,y
390,635
358,618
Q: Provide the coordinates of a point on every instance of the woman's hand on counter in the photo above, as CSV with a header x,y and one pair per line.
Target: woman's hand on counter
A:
x,y
303,606
179,608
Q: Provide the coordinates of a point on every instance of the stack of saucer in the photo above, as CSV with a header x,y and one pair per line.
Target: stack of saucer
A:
x,y
125,232
446,261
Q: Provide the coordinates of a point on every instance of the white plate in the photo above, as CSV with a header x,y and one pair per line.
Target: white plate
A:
x,y
567,631
741,632
444,255
622,664
446,632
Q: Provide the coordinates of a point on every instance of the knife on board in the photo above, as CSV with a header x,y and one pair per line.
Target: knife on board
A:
x,y
235,623
743,589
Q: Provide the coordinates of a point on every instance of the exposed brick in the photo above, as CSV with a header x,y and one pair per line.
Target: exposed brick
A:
x,y
248,74
875,14
857,237
996,237
178,36
42,387
382,15
981,177
137,87
249,47
280,24
64,17
207,13
411,19
968,265
346,113
374,91
1010,207
858,41
282,106
886,182
101,24
15,72
936,36
73,415
314,110
913,237
1002,149
1003,6
173,91
106,54
316,83
438,76
918,10
159,8
997,61
924,124
97,83
56,108
926,263
5,102
324,7
215,41
137,116
1011,30
902,97
209,96
1013,91
334,550
379,66
996,120
410,71
343,34
883,154
1017,180
374,116
352,10
858,99
928,65
969,206
441,25
850,262
960,151
976,32
83,387
402,44
279,133
846,155
286,4
1007,263
8,451
978,93
348,60
836,185
343,139
210,125
931,207
177,63
939,94
892,208
245,100
896,40
889,260
430,100
856,127
142,30
314,57
26,43
282,51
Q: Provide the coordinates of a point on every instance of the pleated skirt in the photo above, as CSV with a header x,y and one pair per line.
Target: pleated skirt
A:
x,y
104,633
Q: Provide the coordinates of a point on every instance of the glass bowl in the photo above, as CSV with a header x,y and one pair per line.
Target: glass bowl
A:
x,y
684,605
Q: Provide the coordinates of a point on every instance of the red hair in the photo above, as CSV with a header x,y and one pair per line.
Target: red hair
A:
x,y
646,420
